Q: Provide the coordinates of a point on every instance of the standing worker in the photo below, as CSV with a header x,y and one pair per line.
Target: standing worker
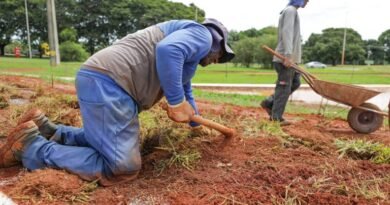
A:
x,y
113,87
289,45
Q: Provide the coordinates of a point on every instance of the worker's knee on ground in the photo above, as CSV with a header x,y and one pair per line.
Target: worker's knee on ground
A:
x,y
123,170
128,164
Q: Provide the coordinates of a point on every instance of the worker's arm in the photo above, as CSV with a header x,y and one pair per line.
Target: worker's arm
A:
x,y
288,33
173,52
177,56
190,98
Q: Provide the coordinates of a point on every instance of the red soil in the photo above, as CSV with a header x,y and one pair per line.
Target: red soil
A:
x,y
254,168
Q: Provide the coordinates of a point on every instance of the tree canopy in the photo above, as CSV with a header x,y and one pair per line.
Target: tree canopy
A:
x,y
327,47
98,22
247,46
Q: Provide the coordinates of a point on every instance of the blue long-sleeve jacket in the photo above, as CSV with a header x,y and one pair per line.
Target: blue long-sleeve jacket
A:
x,y
177,56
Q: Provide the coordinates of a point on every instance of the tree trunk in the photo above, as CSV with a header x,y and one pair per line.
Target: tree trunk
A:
x,y
2,49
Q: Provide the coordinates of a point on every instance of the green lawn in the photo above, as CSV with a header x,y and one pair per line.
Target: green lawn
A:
x,y
342,74
35,66
220,73
254,101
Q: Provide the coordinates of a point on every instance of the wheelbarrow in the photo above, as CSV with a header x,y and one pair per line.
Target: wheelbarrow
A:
x,y
363,117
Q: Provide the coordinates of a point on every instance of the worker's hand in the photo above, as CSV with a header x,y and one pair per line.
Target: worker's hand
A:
x,y
181,112
288,63
199,131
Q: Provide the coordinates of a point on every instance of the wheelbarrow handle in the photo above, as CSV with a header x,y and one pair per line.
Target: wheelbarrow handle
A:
x,y
306,75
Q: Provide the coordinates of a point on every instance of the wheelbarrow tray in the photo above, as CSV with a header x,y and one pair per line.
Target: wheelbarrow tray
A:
x,y
342,93
347,94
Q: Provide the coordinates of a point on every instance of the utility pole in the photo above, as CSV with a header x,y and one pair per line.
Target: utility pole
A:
x,y
28,31
344,42
344,39
385,49
196,13
53,34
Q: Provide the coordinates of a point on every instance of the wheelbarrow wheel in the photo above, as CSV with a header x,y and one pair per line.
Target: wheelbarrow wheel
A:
x,y
364,121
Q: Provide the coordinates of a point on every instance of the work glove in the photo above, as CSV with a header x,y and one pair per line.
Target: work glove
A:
x,y
199,131
181,112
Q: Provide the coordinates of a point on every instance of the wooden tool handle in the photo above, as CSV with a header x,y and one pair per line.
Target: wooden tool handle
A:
x,y
228,132
273,52
308,77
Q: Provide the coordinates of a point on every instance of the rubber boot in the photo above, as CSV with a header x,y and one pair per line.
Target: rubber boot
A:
x,y
18,139
267,105
46,127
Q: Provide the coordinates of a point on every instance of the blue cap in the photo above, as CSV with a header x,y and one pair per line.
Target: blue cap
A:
x,y
217,39
299,3
228,53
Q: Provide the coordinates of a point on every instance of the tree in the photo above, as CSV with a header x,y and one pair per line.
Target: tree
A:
x,y
384,40
251,33
10,21
102,22
375,51
263,57
248,49
69,48
38,21
68,34
98,23
235,36
93,21
245,50
327,47
71,51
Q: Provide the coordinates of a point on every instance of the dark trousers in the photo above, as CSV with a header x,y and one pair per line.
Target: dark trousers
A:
x,y
288,81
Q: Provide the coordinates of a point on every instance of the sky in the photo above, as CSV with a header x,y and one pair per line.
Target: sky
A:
x,y
368,18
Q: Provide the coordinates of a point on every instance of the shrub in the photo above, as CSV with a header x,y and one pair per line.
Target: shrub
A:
x,y
71,51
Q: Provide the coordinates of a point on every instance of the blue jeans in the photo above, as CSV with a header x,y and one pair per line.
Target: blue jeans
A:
x,y
108,144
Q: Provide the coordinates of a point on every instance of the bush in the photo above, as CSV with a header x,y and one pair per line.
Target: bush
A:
x,y
71,51
249,51
68,34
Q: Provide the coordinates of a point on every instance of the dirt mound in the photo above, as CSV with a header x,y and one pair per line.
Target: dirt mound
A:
x,y
48,184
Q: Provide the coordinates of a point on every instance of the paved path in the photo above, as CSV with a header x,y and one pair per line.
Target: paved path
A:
x,y
303,94
249,87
